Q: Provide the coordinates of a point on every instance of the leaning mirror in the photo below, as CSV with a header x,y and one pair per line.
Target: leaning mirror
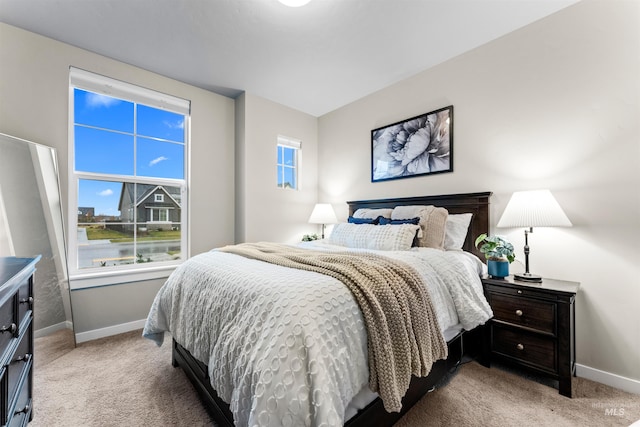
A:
x,y
31,224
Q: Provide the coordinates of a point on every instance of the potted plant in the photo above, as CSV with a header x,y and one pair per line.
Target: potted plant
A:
x,y
499,254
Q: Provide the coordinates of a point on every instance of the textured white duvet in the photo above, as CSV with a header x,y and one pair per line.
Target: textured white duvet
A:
x,y
288,347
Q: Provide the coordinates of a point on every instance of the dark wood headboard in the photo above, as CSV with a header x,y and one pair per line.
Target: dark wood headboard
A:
x,y
475,203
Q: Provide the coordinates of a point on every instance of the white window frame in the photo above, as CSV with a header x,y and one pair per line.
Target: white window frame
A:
x,y
154,215
158,198
86,278
284,141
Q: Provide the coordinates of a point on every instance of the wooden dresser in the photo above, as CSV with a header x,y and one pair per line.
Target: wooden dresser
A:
x,y
533,326
16,340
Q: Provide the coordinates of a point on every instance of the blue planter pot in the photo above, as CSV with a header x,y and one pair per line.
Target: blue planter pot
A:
x,y
498,269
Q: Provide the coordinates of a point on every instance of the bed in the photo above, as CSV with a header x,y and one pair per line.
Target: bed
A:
x,y
364,407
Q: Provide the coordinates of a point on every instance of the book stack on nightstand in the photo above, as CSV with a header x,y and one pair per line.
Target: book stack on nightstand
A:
x,y
533,326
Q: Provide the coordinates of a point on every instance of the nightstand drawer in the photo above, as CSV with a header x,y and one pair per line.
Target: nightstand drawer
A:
x,y
527,347
535,314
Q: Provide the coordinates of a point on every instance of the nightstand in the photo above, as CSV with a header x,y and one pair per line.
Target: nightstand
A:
x,y
533,326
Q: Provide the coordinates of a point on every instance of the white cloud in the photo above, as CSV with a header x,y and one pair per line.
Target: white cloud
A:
x,y
95,100
106,193
176,125
157,160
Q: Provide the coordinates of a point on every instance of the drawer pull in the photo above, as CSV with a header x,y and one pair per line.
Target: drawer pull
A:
x,y
27,300
519,313
24,358
23,410
520,347
11,328
519,291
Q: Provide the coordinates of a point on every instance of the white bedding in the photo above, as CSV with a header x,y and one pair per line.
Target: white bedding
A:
x,y
288,347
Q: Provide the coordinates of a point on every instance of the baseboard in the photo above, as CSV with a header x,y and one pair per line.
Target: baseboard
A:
x,y
108,331
623,383
43,332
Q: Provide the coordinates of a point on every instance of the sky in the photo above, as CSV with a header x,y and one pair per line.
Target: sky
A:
x,y
118,137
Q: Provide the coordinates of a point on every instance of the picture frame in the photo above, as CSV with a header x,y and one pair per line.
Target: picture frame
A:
x,y
418,146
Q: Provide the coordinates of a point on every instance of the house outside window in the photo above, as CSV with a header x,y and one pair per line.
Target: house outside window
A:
x,y
288,162
128,177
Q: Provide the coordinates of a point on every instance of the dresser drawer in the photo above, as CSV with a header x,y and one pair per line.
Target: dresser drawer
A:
x,y
535,314
16,369
16,379
21,419
530,348
8,326
25,300
23,408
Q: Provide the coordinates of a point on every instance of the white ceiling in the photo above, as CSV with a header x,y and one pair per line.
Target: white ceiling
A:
x,y
315,58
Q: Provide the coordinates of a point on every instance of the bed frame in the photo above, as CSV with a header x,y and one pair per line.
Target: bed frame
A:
x,y
374,414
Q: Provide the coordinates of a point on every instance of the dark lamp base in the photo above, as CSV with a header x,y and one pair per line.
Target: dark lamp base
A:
x,y
528,277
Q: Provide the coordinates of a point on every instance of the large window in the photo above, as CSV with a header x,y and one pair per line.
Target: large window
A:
x,y
128,176
288,163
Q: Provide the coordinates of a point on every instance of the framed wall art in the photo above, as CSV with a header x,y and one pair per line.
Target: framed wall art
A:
x,y
421,145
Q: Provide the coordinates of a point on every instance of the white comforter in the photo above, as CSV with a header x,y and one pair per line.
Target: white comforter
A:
x,y
288,347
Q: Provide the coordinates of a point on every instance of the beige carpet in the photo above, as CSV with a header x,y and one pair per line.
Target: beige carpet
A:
x,y
128,381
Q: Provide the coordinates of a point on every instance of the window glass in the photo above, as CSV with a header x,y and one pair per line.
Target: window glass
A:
x,y
159,159
98,200
102,151
120,223
102,111
289,178
289,156
156,123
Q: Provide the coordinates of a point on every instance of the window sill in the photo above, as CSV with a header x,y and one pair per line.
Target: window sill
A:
x,y
107,278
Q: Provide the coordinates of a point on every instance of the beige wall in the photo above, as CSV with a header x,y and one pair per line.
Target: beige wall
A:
x,y
34,82
554,105
266,212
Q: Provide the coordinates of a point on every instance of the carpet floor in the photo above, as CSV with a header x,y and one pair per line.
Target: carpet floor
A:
x,y
126,380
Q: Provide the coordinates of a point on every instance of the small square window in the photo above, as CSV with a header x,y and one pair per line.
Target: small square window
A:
x,y
288,163
159,198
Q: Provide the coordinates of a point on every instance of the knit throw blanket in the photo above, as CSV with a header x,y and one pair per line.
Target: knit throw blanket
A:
x,y
403,336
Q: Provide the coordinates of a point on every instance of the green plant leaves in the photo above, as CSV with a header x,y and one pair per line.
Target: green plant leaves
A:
x,y
495,247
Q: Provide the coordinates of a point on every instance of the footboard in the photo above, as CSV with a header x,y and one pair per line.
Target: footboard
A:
x,y
197,373
373,415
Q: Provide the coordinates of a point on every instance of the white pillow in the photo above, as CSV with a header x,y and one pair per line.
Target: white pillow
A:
x,y
455,230
432,223
372,213
390,237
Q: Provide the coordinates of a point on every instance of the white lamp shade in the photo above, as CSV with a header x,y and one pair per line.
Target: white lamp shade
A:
x,y
323,213
536,208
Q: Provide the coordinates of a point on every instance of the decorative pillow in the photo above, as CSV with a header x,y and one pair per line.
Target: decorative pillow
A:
x,y
432,223
353,220
379,237
385,221
372,213
455,230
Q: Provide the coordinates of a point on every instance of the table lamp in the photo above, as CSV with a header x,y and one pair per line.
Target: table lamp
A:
x,y
537,208
324,214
